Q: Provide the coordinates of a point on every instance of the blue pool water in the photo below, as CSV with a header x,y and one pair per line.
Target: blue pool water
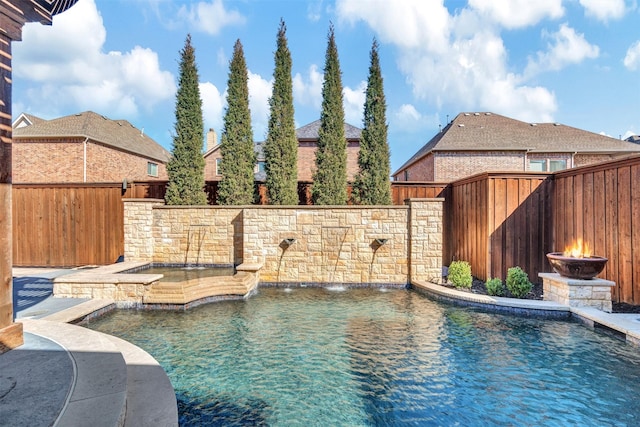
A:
x,y
183,274
367,357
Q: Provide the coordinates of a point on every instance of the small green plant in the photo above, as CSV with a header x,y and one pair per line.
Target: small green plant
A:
x,y
518,282
494,287
460,274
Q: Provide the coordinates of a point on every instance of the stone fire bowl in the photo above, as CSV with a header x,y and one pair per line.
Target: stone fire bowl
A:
x,y
576,268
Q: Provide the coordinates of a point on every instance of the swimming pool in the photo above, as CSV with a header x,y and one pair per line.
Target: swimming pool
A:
x,y
313,356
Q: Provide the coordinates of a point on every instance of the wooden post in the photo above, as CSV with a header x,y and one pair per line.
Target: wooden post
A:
x,y
10,333
13,15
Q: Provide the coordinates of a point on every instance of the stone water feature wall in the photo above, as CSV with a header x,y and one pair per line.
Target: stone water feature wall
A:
x,y
334,244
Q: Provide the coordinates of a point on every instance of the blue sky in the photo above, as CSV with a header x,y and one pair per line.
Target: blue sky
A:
x,y
576,62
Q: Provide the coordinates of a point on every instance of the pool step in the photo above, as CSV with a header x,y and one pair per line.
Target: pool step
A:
x,y
240,284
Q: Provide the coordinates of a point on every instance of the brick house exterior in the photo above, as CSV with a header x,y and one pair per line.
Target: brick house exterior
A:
x,y
84,147
482,142
307,145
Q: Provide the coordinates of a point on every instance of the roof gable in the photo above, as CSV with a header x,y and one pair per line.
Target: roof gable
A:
x,y
26,119
119,134
311,130
493,132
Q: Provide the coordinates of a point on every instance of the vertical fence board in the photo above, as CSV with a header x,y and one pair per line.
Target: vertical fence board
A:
x,y
599,215
623,249
578,207
611,223
588,234
635,234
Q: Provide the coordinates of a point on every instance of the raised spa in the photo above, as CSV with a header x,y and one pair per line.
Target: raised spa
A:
x,y
356,357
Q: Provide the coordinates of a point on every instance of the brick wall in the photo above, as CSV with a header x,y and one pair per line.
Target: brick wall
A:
x,y
332,244
589,159
419,171
307,160
105,164
50,161
453,166
47,161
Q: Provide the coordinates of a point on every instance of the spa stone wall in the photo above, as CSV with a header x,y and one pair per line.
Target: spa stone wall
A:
x,y
345,244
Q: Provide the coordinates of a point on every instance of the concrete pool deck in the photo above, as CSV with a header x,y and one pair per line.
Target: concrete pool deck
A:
x,y
67,375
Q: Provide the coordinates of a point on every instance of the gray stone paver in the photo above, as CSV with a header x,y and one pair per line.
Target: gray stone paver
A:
x,y
35,381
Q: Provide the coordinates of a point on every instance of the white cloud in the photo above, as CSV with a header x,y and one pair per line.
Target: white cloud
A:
x,y
632,59
66,69
473,76
604,10
308,91
213,103
460,60
314,10
518,13
221,58
407,24
353,102
210,17
259,94
408,119
567,47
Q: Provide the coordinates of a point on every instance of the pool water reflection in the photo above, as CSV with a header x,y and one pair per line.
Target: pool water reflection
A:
x,y
310,356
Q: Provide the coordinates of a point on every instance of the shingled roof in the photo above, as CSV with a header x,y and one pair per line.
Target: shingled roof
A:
x,y
310,131
119,134
493,132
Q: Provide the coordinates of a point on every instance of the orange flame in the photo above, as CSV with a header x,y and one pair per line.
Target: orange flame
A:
x,y
578,250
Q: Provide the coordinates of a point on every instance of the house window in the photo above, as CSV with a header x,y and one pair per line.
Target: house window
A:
x,y
557,165
547,165
406,175
152,169
538,165
261,167
218,166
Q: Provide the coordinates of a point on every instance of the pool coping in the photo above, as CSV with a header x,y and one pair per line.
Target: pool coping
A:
x,y
624,325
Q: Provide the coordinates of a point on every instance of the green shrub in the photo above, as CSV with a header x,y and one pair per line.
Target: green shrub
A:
x,y
494,287
460,274
518,282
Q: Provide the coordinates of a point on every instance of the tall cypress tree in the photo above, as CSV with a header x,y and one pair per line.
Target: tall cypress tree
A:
x,y
281,147
237,148
372,184
330,177
186,166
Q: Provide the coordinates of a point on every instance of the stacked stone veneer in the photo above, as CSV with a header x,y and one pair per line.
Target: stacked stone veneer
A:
x,y
576,292
332,244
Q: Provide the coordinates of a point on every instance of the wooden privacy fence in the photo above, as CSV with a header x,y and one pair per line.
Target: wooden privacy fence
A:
x,y
601,205
501,220
67,225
